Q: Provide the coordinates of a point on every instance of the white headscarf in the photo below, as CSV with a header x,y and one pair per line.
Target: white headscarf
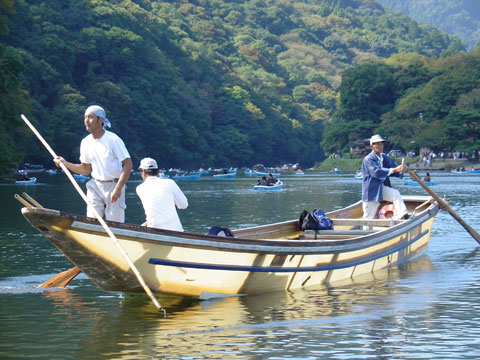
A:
x,y
98,110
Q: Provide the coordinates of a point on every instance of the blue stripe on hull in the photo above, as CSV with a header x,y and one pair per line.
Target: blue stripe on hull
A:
x,y
277,269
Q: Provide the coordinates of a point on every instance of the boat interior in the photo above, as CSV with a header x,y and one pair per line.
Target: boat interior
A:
x,y
347,223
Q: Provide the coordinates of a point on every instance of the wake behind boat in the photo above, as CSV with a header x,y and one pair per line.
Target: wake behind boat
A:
x,y
257,259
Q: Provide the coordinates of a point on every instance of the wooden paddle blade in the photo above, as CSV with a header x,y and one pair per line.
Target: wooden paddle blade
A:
x,y
62,279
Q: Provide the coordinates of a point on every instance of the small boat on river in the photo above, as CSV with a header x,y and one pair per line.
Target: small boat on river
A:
x,y
226,175
81,177
186,177
464,172
410,182
255,260
30,181
275,187
263,173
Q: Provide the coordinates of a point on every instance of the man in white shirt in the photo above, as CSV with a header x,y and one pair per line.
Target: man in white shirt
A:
x,y
159,198
376,169
104,156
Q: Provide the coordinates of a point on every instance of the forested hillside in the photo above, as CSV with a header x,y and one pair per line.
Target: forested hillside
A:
x,y
415,101
197,83
456,17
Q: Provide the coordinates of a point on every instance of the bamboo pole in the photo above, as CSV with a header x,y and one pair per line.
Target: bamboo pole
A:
x,y
445,206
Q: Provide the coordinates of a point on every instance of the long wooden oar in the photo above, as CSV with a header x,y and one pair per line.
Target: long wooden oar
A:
x,y
444,205
97,215
62,279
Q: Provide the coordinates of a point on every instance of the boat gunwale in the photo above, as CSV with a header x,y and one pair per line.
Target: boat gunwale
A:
x,y
133,232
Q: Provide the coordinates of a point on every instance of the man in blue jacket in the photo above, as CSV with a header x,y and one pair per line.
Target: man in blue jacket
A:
x,y
376,169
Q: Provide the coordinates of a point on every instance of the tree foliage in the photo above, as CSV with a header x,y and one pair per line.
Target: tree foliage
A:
x,y
419,102
204,82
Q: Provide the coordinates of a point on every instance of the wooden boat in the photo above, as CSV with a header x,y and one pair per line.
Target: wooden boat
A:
x,y
30,181
277,186
257,259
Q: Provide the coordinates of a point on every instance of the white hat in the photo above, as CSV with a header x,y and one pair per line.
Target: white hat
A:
x,y
376,138
148,163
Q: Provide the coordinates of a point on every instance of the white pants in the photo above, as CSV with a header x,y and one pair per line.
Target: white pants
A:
x,y
389,194
99,193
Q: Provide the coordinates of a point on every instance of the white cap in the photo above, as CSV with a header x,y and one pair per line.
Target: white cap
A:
x,y
376,138
148,163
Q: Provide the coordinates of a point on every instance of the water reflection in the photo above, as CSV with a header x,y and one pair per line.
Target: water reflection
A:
x,y
234,327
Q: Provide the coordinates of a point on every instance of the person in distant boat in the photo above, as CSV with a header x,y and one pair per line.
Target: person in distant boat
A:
x,y
103,155
376,169
262,181
271,180
427,177
22,176
159,198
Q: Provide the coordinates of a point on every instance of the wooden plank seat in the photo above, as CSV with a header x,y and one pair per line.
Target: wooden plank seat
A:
x,y
365,222
334,234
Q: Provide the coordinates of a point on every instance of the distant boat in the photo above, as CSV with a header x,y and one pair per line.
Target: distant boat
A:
x,y
410,182
358,175
199,172
80,177
227,175
299,172
463,171
278,186
262,173
336,171
186,177
30,181
31,168
51,171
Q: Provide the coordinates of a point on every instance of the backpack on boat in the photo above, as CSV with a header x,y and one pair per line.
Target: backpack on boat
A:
x,y
314,221
324,222
220,231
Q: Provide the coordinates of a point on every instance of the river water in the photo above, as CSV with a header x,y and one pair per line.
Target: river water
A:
x,y
427,309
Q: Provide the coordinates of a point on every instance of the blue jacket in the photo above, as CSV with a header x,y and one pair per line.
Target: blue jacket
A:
x,y
374,175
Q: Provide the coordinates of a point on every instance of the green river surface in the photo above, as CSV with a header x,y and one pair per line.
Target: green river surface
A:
x,y
426,309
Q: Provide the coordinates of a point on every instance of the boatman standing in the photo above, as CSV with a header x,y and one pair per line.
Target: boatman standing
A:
x,y
103,155
159,198
376,169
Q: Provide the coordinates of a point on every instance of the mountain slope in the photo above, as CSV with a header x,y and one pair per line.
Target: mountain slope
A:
x,y
456,17
203,83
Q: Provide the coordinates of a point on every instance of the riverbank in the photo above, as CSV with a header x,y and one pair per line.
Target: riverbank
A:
x,y
352,165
